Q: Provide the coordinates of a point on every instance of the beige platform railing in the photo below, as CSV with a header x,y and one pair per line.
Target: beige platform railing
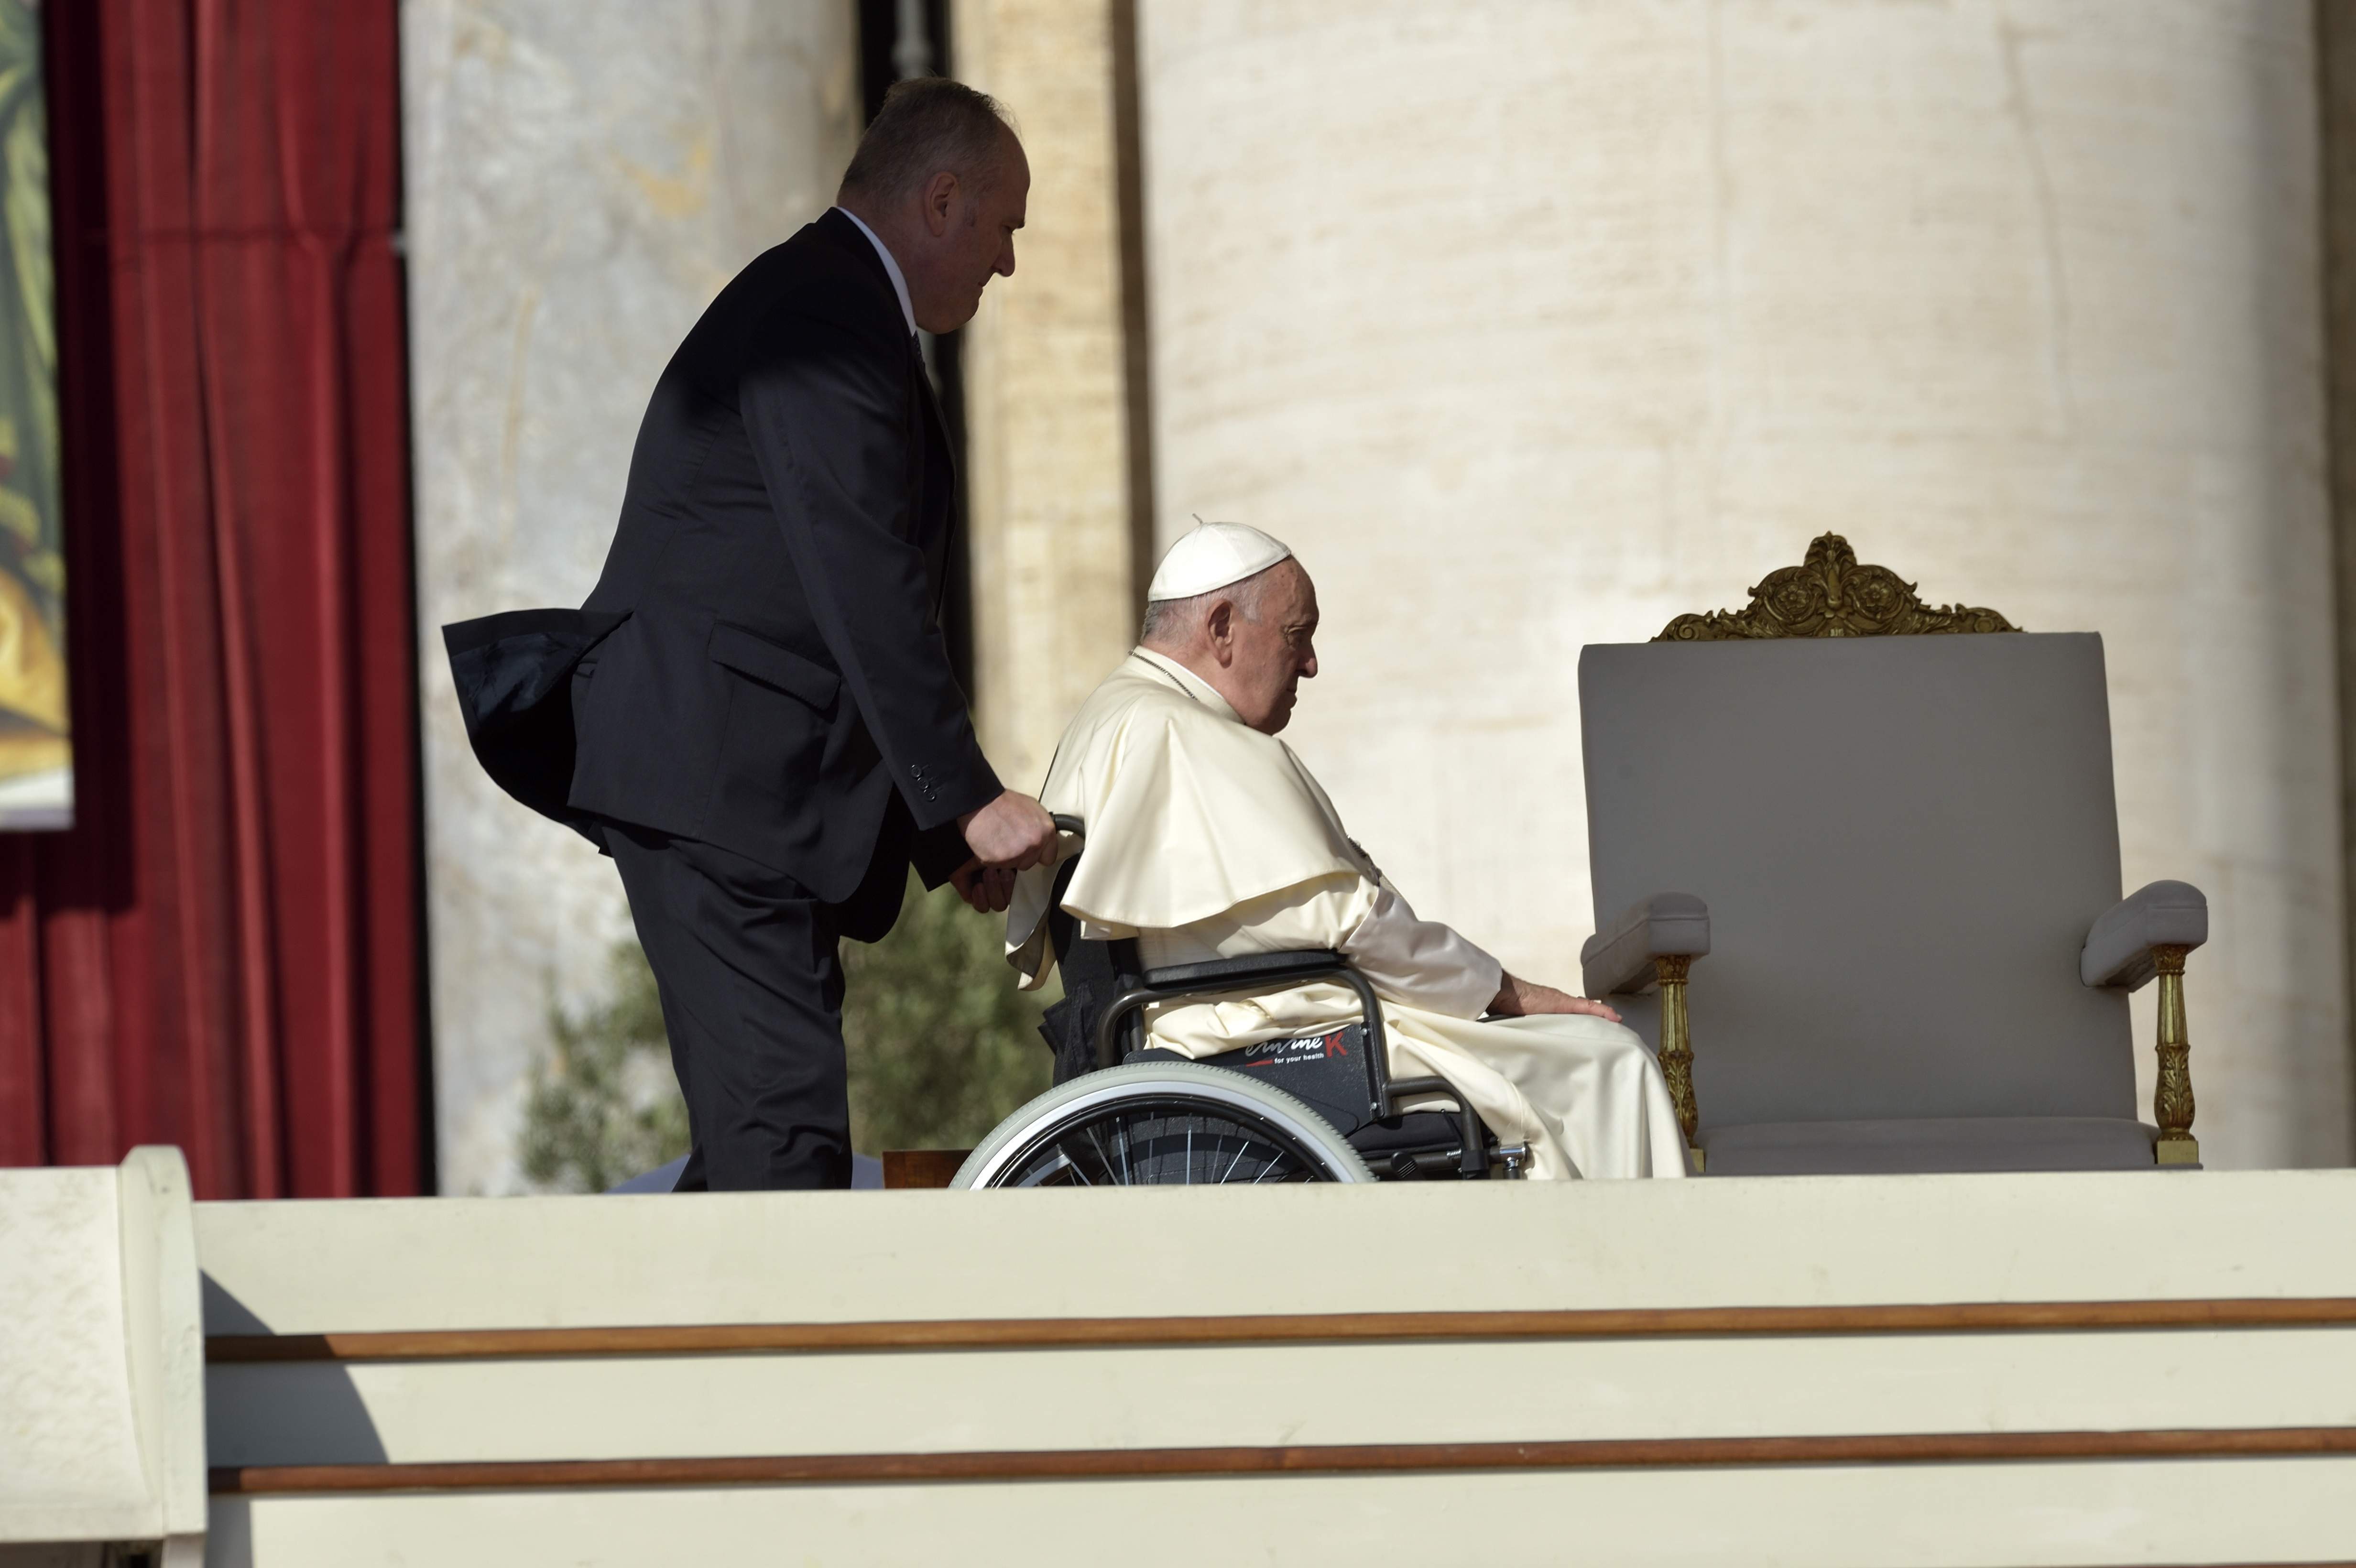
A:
x,y
102,1377
1987,1370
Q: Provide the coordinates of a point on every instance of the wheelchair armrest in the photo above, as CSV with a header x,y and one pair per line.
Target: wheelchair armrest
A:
x,y
2118,947
1278,970
1306,962
1620,959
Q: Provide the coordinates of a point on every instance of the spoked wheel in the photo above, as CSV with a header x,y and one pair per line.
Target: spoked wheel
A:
x,y
1162,1125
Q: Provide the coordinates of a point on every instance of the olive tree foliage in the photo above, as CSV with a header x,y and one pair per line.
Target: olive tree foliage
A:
x,y
604,1106
942,1048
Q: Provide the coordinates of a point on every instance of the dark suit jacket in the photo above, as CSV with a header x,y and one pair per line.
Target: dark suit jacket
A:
x,y
776,682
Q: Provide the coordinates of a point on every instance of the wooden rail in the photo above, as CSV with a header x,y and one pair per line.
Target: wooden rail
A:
x,y
1337,1327
1071,1464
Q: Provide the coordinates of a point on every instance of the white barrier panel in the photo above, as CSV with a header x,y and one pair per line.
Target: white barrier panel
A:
x,y
101,1424
2096,1369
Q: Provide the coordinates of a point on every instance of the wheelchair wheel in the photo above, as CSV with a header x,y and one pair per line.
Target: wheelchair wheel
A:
x,y
1162,1125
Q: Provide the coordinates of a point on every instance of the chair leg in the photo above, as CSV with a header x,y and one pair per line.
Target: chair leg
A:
x,y
2171,1099
1676,1045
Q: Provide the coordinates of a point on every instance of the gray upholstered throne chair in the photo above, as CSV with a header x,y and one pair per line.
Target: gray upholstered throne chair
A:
x,y
1856,867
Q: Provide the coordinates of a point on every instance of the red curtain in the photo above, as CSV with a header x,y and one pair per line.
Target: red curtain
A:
x,y
223,953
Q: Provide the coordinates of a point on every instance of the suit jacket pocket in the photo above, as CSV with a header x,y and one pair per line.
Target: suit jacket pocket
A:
x,y
773,665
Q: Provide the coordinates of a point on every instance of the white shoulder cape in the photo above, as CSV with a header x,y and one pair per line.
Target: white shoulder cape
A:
x,y
1189,812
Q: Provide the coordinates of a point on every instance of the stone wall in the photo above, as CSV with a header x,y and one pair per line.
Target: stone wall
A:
x,y
1535,326
583,175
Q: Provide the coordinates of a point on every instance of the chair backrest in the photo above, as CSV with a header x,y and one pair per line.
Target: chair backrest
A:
x,y
1903,841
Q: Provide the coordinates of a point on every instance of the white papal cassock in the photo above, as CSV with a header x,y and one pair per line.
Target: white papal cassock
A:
x,y
1208,839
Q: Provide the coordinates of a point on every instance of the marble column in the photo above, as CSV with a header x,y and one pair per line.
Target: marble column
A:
x,y
1532,325
583,175
2335,36
1049,442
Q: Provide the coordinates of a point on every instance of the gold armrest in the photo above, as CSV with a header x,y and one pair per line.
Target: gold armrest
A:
x,y
1677,1046
2171,1097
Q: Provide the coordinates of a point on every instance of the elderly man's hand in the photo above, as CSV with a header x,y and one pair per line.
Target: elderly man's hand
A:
x,y
1012,832
988,889
1519,998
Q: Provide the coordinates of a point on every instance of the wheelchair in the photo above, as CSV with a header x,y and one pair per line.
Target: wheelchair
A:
x,y
1316,1107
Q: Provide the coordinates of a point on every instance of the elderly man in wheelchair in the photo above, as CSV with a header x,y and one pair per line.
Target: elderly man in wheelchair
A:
x,y
1247,997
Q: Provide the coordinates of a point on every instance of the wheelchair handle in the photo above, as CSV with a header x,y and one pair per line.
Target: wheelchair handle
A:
x,y
1066,823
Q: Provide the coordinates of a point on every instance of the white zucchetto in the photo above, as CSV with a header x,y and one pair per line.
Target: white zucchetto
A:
x,y
1213,556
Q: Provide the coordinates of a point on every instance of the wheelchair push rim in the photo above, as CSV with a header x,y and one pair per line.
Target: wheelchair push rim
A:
x,y
1162,1125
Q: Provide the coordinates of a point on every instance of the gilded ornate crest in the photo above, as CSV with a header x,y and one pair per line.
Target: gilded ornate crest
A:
x,y
1830,595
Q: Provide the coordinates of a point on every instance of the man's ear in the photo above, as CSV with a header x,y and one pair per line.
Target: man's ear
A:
x,y
940,201
1219,626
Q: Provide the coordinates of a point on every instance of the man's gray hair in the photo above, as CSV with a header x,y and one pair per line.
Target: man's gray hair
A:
x,y
928,126
1173,619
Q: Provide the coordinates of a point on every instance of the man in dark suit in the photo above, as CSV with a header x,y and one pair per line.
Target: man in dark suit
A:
x,y
769,735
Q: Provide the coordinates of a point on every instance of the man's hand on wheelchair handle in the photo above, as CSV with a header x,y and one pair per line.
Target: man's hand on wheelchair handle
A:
x,y
1012,833
1519,998
988,889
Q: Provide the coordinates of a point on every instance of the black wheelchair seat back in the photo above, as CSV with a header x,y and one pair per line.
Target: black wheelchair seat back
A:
x,y
1093,973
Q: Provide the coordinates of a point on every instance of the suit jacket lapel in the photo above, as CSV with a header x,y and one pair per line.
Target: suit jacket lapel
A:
x,y
933,407
845,233
928,426
928,436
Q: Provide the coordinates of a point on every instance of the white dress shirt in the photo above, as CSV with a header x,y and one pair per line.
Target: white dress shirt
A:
x,y
899,281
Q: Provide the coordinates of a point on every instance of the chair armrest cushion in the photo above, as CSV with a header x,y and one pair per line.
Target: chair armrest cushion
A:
x,y
1620,958
2118,947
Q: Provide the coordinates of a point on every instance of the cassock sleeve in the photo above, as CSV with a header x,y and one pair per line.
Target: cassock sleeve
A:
x,y
1421,962
826,411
